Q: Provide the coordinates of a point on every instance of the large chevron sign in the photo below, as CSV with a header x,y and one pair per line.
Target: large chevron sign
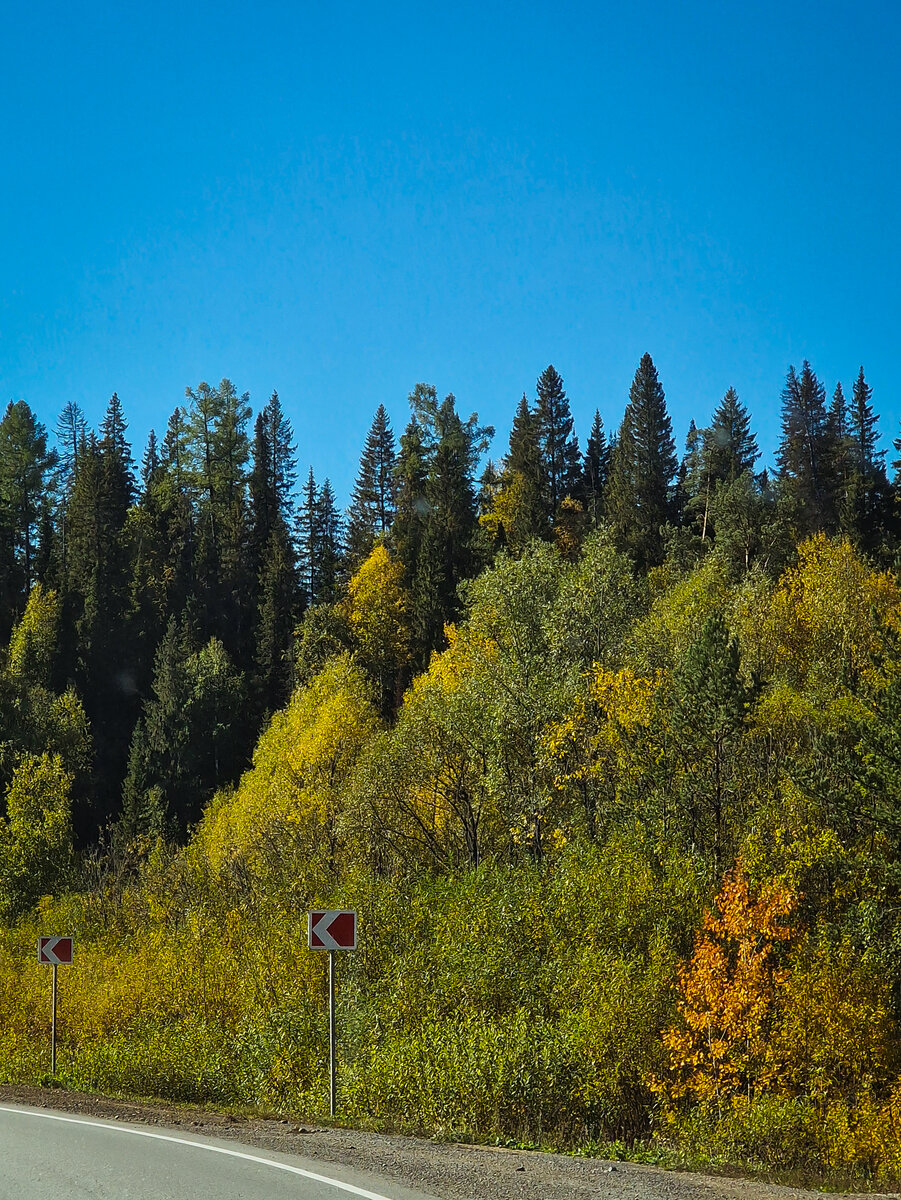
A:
x,y
55,950
334,930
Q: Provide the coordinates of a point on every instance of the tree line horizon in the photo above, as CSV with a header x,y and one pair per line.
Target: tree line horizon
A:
x,y
208,547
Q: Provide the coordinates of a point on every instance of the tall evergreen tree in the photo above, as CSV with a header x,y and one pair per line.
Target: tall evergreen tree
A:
x,y
329,545
371,511
410,473
732,447
98,602
440,525
560,461
595,469
803,456
71,433
521,504
25,467
642,469
863,430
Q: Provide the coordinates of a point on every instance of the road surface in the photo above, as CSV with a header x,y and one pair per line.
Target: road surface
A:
x,y
51,1156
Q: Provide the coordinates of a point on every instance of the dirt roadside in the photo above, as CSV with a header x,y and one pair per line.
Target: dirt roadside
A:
x,y
449,1171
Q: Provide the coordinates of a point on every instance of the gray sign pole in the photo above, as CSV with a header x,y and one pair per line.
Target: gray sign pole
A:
x,y
332,1074
53,1027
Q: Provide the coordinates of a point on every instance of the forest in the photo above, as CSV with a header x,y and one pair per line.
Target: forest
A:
x,y
603,743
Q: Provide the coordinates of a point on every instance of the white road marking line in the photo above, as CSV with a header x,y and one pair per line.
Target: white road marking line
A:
x,y
164,1137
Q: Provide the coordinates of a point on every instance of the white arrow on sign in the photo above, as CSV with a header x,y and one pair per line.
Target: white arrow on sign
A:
x,y
55,950
334,930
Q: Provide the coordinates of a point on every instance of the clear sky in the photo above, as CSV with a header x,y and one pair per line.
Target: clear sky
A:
x,y
340,200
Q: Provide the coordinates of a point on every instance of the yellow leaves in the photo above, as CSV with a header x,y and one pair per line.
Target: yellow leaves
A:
x,y
377,611
826,613
589,738
300,765
33,642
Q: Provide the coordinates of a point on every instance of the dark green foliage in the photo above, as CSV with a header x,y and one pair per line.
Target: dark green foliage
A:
x,y
807,452
191,738
447,537
560,460
710,702
371,511
642,469
732,447
320,543
595,469
25,467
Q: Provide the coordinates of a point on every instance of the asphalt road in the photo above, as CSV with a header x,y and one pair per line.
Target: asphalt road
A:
x,y
48,1156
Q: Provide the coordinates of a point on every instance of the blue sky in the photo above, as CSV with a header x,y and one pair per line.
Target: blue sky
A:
x,y
340,201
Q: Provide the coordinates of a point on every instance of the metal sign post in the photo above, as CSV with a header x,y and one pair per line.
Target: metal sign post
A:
x,y
332,930
55,951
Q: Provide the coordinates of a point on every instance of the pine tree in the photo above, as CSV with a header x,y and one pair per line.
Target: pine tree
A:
x,y
710,702
98,601
642,469
440,525
371,511
71,433
560,461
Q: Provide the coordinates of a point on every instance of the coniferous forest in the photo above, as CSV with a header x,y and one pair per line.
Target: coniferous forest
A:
x,y
602,741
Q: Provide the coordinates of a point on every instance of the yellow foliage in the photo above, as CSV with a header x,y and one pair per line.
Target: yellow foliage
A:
x,y
33,642
727,991
378,612
589,740
300,765
826,615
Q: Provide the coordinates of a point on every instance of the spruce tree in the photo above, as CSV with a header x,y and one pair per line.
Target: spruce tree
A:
x,y
371,511
410,473
25,468
731,446
595,468
277,616
522,501
560,460
804,452
863,430
642,469
329,546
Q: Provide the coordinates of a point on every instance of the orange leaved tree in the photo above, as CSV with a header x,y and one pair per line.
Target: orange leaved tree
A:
x,y
718,1049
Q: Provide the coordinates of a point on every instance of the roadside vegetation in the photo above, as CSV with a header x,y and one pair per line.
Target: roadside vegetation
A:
x,y
607,757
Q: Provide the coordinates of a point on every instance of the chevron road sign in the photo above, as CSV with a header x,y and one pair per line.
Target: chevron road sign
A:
x,y
332,929
56,951
335,930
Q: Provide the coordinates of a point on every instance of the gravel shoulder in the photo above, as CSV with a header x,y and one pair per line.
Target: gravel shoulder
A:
x,y
450,1171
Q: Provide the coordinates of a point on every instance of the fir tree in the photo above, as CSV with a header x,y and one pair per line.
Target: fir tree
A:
x,y
25,467
560,461
642,469
863,430
371,511
595,468
803,456
731,446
